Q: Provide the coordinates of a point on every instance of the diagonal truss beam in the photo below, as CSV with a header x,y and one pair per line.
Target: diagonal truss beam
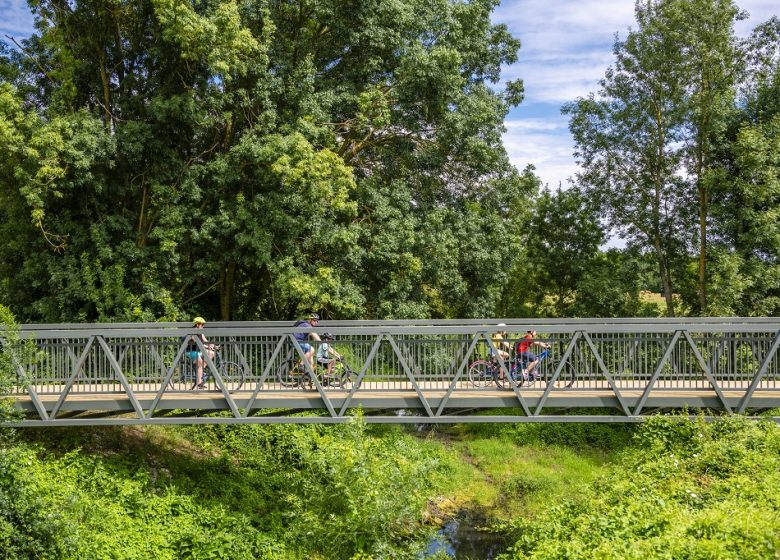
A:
x,y
409,374
72,378
768,357
606,373
474,340
464,363
266,372
359,380
121,376
314,379
707,371
508,375
657,373
557,373
21,373
217,377
168,375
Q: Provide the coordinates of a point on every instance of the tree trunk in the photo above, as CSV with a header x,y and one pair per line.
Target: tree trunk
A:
x,y
666,277
106,90
226,290
702,248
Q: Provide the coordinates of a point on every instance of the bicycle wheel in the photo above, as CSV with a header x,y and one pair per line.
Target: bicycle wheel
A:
x,y
183,377
566,378
503,382
286,374
232,376
480,373
305,381
345,381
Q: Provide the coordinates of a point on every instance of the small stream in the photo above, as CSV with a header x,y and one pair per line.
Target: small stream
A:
x,y
464,538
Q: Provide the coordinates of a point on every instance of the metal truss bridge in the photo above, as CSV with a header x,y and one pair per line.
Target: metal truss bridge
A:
x,y
397,372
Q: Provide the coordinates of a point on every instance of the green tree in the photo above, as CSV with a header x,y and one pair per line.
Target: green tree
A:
x,y
564,240
253,159
746,276
627,142
712,69
649,142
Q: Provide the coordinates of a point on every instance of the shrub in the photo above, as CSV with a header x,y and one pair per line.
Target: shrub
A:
x,y
684,489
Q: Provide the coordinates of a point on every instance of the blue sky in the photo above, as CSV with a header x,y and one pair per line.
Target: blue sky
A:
x,y
567,46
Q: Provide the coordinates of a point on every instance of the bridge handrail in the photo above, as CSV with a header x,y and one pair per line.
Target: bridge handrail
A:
x,y
128,330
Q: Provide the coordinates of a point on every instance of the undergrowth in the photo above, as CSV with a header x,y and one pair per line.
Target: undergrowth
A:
x,y
218,491
682,489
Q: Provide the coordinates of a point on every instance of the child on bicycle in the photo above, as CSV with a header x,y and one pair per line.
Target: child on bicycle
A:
x,y
525,355
326,355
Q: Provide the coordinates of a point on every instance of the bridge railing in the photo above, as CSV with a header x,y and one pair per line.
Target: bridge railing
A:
x,y
390,356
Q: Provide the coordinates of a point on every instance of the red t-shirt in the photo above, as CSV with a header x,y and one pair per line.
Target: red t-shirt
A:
x,y
523,345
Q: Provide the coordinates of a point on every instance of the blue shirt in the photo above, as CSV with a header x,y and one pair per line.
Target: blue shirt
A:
x,y
302,336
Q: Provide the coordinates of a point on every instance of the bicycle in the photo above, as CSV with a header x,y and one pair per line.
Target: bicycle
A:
x,y
485,372
340,376
290,374
231,373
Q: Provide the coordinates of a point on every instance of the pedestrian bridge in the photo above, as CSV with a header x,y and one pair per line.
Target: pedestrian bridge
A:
x,y
397,372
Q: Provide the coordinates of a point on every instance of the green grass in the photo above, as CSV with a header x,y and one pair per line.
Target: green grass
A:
x,y
513,470
363,491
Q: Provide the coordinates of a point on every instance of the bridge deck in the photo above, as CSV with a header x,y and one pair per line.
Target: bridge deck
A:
x,y
408,399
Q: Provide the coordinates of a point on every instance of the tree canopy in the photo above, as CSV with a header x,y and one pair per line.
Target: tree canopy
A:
x,y
253,159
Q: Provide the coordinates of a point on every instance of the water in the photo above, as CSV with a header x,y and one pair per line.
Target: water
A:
x,y
461,538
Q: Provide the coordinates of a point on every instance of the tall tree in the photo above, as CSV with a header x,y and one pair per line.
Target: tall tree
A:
x,y
251,158
711,70
649,142
747,187
628,143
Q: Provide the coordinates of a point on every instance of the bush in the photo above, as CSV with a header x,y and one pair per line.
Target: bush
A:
x,y
210,492
685,489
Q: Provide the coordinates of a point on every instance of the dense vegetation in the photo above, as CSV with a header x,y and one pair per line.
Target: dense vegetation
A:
x,y
669,488
216,492
681,490
255,158
252,159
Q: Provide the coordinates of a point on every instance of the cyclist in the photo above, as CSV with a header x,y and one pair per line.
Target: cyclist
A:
x,y
193,351
326,355
501,344
524,354
311,320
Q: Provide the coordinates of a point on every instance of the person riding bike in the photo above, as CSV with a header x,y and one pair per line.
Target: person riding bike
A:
x,y
311,320
501,343
326,355
525,355
193,351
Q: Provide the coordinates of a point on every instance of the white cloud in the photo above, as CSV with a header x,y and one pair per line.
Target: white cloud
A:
x,y
534,124
15,19
541,142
